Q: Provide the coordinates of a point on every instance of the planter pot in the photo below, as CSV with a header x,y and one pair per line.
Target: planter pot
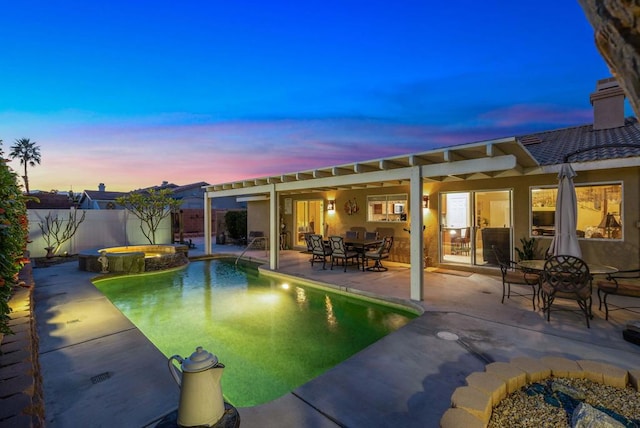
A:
x,y
50,253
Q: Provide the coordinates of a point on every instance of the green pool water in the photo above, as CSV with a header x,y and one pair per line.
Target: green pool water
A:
x,y
272,336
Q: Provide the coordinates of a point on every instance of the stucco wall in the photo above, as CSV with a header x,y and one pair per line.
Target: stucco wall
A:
x,y
258,217
623,254
101,228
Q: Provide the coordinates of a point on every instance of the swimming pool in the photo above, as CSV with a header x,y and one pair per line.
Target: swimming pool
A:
x,y
271,336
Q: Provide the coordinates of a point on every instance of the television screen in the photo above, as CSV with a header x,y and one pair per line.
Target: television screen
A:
x,y
543,218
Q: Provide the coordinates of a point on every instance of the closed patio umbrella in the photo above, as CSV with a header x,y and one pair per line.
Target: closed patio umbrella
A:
x,y
565,239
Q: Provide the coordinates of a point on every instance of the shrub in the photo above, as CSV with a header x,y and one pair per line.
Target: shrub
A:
x,y
236,224
13,238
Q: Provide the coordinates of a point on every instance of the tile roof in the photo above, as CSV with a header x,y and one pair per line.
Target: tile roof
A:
x,y
583,144
98,195
197,186
49,201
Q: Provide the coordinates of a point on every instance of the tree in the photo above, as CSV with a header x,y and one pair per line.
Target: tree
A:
x,y
57,231
28,153
615,23
236,222
150,206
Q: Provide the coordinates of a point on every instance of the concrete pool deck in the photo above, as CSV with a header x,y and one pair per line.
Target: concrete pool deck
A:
x,y
99,370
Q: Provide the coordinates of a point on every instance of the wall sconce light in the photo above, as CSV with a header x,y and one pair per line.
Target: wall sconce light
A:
x,y
331,205
425,201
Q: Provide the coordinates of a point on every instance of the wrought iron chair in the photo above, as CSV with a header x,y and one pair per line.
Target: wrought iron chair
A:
x,y
340,252
307,241
624,283
319,250
382,252
566,277
513,275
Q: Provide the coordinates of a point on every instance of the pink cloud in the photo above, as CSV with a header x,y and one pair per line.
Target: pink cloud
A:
x,y
126,155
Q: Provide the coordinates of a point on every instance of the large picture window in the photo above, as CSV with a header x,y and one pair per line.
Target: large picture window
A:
x,y
387,208
599,211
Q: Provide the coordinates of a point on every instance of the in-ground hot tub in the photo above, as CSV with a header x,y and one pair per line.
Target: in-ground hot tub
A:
x,y
133,258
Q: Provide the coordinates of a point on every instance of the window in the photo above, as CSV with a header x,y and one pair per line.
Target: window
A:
x,y
599,211
387,208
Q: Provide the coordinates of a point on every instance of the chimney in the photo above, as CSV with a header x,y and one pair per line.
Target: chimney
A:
x,y
101,187
608,105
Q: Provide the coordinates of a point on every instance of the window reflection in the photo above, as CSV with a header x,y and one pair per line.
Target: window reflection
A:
x,y
599,211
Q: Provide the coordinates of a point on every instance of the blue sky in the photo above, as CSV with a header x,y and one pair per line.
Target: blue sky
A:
x,y
134,93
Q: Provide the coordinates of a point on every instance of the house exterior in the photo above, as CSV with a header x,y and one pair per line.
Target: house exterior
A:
x,y
50,200
100,199
467,197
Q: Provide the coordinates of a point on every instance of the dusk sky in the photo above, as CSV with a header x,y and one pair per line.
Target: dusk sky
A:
x,y
132,93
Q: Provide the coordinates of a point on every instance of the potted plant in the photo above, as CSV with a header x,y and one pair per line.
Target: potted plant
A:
x,y
528,250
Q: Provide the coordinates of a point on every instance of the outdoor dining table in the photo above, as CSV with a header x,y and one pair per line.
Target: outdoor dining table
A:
x,y
361,245
594,268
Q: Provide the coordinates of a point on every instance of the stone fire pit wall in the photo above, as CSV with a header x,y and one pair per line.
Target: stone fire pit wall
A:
x,y
135,258
471,405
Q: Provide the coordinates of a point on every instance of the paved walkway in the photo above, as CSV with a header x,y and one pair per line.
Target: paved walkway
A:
x,y
100,371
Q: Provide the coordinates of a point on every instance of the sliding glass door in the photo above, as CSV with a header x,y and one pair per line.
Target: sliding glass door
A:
x,y
471,223
309,218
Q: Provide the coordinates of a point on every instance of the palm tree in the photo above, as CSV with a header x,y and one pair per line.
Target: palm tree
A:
x,y
28,153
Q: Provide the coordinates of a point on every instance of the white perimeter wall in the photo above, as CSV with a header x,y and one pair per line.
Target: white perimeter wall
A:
x,y
100,228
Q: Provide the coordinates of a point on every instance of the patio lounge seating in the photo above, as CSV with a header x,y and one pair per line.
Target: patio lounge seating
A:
x,y
319,251
340,252
382,252
624,283
513,275
566,277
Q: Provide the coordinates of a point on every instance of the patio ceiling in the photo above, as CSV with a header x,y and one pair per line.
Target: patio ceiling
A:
x,y
489,159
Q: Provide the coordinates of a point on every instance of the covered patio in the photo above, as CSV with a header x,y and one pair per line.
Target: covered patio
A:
x,y
498,158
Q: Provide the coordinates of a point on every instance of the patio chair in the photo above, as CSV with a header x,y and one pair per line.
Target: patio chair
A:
x,y
566,277
340,252
382,252
624,283
370,235
462,243
319,250
351,234
512,274
307,241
